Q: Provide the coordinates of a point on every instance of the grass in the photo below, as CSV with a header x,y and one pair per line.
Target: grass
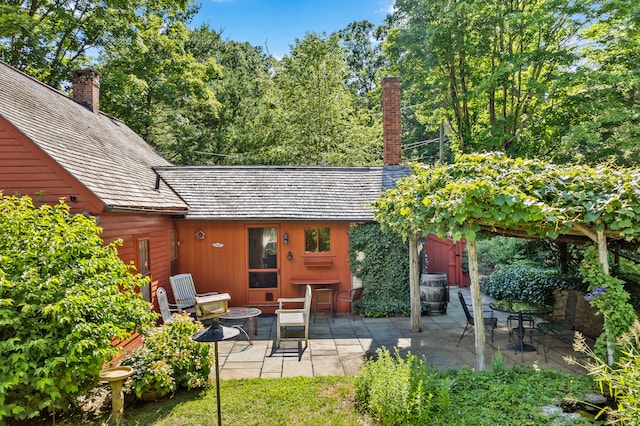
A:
x,y
501,396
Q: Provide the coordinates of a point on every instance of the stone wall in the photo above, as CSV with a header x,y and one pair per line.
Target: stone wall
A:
x,y
570,303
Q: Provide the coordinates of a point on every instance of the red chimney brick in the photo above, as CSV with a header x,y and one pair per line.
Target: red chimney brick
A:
x,y
86,88
391,123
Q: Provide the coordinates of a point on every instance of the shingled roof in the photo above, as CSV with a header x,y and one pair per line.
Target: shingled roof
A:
x,y
101,152
277,192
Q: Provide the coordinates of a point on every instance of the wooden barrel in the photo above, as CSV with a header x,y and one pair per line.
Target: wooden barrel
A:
x,y
434,291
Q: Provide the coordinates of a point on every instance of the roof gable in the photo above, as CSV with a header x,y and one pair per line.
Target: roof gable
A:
x,y
101,152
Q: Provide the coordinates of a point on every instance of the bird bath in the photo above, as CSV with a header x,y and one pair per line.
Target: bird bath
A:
x,y
115,377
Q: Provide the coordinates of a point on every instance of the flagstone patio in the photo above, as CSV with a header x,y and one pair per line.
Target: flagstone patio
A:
x,y
340,346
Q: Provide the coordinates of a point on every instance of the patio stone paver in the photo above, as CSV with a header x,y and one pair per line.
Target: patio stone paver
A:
x,y
340,346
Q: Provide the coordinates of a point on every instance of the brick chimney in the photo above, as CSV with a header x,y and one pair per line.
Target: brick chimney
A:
x,y
391,127
86,88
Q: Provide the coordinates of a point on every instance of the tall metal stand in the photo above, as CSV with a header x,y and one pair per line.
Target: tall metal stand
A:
x,y
215,333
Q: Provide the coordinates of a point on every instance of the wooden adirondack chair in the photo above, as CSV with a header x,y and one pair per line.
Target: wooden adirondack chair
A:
x,y
184,292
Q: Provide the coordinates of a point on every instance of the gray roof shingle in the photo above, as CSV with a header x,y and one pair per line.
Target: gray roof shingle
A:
x,y
276,192
101,152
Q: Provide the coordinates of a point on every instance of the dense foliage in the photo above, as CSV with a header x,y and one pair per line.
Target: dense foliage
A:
x,y
170,359
523,284
381,261
495,251
64,297
493,71
608,295
528,197
405,391
402,391
50,39
552,79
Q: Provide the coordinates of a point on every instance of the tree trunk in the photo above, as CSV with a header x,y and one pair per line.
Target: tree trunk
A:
x,y
476,301
414,285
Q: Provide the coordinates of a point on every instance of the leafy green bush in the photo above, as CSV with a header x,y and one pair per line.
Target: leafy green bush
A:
x,y
401,391
608,295
170,359
381,260
64,297
524,284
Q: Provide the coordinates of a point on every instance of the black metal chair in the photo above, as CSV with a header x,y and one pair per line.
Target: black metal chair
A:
x,y
491,323
558,329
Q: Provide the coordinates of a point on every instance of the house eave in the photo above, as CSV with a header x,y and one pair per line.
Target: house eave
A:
x,y
142,209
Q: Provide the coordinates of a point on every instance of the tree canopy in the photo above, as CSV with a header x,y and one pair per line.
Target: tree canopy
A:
x,y
49,39
492,70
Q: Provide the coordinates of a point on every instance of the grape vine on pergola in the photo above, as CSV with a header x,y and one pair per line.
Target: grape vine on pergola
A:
x,y
526,198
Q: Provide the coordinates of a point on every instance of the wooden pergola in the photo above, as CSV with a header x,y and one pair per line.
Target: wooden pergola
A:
x,y
492,193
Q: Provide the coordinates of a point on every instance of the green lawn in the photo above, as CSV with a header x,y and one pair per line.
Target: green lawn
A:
x,y
506,397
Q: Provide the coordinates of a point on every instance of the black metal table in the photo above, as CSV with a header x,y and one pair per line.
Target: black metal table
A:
x,y
520,309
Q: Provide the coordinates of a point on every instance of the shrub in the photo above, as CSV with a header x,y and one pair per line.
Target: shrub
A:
x,y
170,359
64,297
401,391
524,284
381,260
608,295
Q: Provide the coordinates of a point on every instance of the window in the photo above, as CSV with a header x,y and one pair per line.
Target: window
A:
x,y
317,240
173,251
144,266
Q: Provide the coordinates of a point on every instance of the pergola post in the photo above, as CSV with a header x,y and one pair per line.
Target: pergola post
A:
x,y
414,285
476,301
603,255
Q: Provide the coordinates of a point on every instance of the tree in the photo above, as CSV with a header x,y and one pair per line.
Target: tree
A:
x,y
492,70
151,82
64,297
49,39
604,120
317,120
244,121
364,60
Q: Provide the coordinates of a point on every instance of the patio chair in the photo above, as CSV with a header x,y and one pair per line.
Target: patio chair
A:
x,y
490,323
558,329
350,296
166,309
184,292
298,317
322,299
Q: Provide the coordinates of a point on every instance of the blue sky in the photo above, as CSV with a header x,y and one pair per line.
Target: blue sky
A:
x,y
277,23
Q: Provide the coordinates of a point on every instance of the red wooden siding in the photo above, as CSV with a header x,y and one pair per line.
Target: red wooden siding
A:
x,y
129,228
446,256
25,169
219,261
